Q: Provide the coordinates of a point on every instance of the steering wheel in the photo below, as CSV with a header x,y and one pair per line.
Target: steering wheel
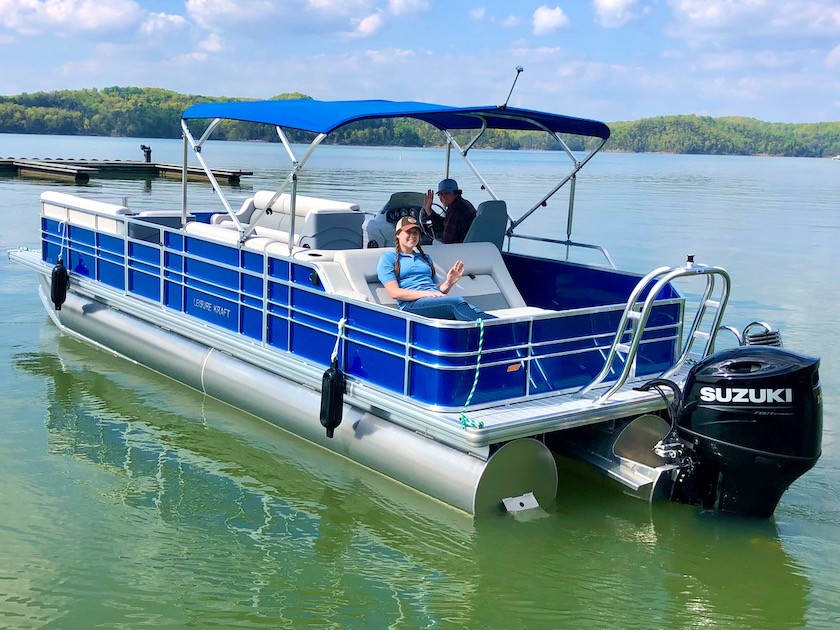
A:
x,y
438,209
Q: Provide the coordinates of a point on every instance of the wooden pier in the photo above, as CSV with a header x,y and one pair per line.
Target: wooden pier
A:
x,y
82,171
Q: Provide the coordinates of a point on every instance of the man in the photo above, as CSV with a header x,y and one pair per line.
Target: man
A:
x,y
459,212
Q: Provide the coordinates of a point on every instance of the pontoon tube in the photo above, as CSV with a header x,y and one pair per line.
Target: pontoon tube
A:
x,y
463,481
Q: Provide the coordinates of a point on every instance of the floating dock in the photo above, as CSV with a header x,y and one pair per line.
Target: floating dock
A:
x,y
82,171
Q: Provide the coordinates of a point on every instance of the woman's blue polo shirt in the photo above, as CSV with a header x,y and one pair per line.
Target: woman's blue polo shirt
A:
x,y
415,273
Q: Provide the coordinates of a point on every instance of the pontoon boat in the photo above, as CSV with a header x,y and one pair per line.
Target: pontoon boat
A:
x,y
274,307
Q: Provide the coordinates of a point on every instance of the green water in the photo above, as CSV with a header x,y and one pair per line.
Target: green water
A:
x,y
130,501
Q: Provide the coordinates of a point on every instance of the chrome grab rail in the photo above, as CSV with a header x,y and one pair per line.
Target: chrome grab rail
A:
x,y
567,244
637,317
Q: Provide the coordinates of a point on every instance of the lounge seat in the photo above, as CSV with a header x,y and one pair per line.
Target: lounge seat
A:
x,y
486,283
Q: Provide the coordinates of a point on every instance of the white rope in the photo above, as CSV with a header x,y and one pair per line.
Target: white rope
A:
x,y
63,232
341,323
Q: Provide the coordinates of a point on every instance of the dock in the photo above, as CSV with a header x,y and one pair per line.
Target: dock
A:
x,y
82,171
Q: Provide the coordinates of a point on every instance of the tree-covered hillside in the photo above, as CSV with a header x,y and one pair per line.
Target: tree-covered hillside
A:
x,y
155,113
725,136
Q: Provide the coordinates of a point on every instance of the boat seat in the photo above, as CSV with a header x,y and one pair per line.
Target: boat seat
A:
x,y
231,237
319,223
489,225
486,283
276,235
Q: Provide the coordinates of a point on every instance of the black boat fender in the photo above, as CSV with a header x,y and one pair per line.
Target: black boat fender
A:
x,y
59,281
332,398
333,384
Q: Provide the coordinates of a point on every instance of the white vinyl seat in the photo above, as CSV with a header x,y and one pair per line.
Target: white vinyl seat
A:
x,y
319,223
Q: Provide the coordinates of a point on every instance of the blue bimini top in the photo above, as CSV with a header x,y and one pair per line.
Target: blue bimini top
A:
x,y
327,116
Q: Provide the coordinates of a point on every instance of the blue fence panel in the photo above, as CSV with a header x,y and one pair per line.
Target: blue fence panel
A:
x,y
367,358
306,276
173,295
252,285
145,284
224,254
252,322
277,334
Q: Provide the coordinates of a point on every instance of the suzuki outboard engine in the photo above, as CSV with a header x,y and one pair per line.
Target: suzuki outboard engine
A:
x,y
750,424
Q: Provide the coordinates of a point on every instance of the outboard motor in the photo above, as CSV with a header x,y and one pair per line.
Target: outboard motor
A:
x,y
750,424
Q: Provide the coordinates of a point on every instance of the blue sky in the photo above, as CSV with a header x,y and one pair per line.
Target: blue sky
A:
x,y
776,60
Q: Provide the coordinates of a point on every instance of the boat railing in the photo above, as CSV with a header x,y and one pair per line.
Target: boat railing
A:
x,y
636,313
282,302
568,244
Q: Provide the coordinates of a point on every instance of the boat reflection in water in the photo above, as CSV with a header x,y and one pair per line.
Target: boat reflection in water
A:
x,y
318,536
307,530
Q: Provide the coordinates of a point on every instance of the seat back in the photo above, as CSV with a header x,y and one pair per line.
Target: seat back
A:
x,y
319,223
486,284
489,225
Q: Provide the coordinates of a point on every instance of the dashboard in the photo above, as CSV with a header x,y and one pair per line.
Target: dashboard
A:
x,y
395,214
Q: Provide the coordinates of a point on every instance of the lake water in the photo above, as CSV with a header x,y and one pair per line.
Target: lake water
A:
x,y
130,501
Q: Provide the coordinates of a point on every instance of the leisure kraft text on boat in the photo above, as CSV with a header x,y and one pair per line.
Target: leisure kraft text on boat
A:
x,y
251,304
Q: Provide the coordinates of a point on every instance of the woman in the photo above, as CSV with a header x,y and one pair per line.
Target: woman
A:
x,y
409,277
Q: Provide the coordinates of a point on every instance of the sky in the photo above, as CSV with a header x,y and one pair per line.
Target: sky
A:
x,y
775,60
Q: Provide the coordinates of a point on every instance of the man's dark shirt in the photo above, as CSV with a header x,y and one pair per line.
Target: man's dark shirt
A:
x,y
454,227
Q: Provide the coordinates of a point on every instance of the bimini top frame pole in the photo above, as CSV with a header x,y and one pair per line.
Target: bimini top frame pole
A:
x,y
571,177
291,178
297,166
196,147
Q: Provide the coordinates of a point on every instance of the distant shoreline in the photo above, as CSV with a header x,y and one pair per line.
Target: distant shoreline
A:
x,y
155,113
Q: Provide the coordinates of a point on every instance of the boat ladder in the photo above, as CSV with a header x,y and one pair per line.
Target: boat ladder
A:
x,y
636,314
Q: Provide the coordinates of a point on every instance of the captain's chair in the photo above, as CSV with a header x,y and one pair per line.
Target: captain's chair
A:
x,y
489,225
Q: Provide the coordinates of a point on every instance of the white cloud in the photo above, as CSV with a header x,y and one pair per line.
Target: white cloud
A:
x,y
367,26
162,24
617,13
258,19
547,20
710,19
480,15
218,14
211,44
34,17
402,7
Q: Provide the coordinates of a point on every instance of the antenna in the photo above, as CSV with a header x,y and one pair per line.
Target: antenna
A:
x,y
518,72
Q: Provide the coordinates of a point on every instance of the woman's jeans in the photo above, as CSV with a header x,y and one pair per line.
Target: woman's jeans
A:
x,y
446,307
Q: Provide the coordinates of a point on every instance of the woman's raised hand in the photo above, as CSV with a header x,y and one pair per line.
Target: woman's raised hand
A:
x,y
428,198
454,274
